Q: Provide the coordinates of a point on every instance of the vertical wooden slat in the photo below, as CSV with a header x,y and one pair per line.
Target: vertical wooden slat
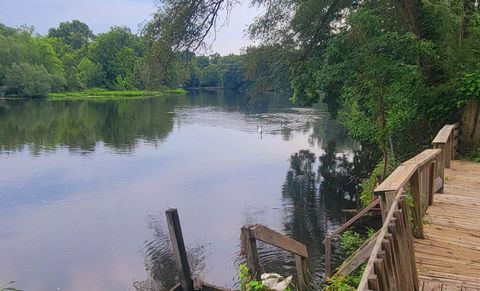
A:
x,y
178,245
409,240
440,165
328,257
302,272
249,249
415,184
431,182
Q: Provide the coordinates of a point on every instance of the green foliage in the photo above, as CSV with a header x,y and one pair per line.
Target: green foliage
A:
x,y
340,283
472,155
246,282
76,34
26,80
350,241
103,93
469,87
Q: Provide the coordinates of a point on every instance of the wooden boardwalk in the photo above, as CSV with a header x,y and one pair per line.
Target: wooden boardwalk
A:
x,y
449,256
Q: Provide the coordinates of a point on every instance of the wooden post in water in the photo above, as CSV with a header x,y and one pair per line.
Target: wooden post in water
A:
x,y
178,245
328,256
249,249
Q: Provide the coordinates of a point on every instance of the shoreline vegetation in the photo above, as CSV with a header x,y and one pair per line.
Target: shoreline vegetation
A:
x,y
99,93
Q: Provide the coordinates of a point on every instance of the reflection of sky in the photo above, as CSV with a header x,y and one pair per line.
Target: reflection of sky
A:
x,y
78,222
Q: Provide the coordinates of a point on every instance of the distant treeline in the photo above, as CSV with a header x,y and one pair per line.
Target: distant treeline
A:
x,y
71,58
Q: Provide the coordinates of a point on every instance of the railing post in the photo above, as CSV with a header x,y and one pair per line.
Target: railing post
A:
x,y
178,246
249,249
302,272
328,256
415,184
440,164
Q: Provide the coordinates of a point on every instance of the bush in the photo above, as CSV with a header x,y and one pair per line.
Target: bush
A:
x,y
27,80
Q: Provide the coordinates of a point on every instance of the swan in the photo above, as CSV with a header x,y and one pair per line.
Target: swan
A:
x,y
259,128
275,282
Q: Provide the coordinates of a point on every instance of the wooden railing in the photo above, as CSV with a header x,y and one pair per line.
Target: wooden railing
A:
x,y
327,242
249,236
404,198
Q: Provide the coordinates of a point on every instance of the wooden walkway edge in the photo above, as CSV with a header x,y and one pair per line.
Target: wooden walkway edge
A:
x,y
448,258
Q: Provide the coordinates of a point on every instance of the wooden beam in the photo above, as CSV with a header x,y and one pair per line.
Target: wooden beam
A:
x,y
178,245
279,240
444,134
177,287
249,249
358,257
354,218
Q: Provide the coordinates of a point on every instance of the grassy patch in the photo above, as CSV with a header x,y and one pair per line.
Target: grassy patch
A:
x,y
98,93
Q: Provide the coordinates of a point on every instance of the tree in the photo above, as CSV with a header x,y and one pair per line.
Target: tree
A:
x,y
91,74
76,34
27,80
116,52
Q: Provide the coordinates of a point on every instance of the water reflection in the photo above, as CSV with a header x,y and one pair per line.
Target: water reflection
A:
x,y
314,193
83,183
160,262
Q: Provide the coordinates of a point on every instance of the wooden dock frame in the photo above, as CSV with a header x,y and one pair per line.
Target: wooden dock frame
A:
x,y
251,233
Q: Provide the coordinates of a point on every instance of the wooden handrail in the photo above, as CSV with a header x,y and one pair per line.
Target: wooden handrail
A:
x,y
392,265
358,257
327,242
251,233
447,141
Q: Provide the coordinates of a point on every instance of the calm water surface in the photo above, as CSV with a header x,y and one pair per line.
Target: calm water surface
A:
x,y
84,186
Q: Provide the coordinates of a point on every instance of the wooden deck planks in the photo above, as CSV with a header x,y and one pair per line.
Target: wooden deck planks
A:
x,y
449,256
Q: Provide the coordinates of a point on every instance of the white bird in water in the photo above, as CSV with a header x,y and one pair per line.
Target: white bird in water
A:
x,y
275,282
259,128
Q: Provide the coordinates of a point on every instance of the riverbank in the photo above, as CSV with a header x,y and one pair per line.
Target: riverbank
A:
x,y
106,94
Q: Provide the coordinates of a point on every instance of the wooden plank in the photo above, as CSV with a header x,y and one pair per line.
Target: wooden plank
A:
x,y
437,184
444,134
354,218
397,179
249,250
177,287
302,273
178,245
358,257
279,240
210,287
423,158
432,286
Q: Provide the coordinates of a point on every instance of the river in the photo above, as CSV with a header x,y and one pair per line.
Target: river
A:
x,y
84,186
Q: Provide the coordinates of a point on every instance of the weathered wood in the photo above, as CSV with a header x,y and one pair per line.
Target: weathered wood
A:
x,y
444,134
327,242
302,272
358,257
279,240
177,287
450,252
328,256
417,209
249,250
357,216
404,172
178,246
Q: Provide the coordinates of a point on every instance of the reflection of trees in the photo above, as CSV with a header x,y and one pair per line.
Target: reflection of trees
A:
x,y
160,262
314,199
79,125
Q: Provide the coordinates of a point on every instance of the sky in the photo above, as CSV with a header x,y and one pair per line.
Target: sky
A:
x,y
100,15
